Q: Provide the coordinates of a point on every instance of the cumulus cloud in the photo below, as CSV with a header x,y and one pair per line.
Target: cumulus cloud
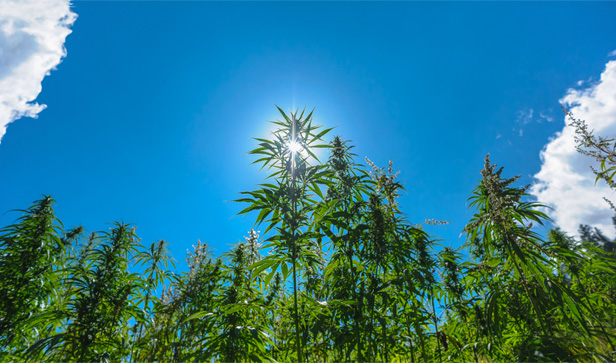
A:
x,y
32,35
565,181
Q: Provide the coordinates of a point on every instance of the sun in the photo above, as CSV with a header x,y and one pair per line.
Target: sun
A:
x,y
294,146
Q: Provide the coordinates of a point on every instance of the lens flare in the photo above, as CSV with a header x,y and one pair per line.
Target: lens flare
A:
x,y
294,146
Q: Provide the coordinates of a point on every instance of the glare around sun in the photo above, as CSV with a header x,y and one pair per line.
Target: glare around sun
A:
x,y
294,146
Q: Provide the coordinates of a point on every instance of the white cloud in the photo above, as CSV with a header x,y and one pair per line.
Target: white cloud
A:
x,y
546,117
32,35
612,53
525,117
565,181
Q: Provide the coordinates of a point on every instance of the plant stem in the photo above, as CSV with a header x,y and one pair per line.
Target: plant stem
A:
x,y
297,338
523,277
438,338
294,255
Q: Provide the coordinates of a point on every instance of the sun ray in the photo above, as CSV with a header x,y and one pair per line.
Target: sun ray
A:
x,y
294,146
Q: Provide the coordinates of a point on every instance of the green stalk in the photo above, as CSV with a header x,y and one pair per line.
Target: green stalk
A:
x,y
523,277
360,308
411,344
353,293
297,338
384,347
421,338
438,341
294,255
468,331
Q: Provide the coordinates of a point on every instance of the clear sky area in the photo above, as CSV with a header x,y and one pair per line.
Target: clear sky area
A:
x,y
151,112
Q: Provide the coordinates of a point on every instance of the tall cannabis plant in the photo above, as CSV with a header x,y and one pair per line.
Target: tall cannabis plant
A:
x,y
286,204
32,256
520,286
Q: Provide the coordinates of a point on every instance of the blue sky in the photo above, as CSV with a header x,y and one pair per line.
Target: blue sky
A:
x,y
152,110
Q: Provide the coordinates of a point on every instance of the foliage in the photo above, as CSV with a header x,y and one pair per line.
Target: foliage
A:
x,y
339,274
600,148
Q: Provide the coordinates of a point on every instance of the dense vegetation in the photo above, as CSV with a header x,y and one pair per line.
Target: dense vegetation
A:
x,y
340,275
